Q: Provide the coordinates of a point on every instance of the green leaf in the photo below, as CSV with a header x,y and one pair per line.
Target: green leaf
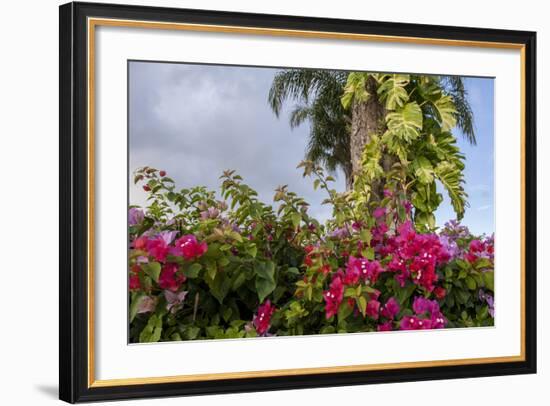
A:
x,y
355,89
153,270
193,270
362,304
406,122
424,170
392,90
265,279
252,250
344,311
134,303
489,279
470,283
152,331
446,112
452,179
296,218
191,332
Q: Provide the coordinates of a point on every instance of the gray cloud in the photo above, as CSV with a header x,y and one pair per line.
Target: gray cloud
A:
x,y
194,121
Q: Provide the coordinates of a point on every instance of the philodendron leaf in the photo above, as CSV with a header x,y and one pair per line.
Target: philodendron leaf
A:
x,y
446,112
406,122
392,90
424,170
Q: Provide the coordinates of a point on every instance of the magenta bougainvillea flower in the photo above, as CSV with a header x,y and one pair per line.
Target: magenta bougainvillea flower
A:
x,y
134,282
169,279
390,309
333,297
361,268
373,308
189,247
262,319
416,256
379,212
386,326
428,316
480,249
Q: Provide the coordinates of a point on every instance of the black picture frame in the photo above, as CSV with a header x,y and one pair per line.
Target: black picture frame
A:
x,y
73,283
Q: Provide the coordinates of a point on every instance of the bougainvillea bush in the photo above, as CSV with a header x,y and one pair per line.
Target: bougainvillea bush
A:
x,y
206,265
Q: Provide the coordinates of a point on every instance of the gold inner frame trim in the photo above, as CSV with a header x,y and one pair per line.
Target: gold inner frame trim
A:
x,y
94,22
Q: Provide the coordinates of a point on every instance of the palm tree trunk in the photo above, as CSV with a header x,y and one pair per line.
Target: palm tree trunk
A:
x,y
367,118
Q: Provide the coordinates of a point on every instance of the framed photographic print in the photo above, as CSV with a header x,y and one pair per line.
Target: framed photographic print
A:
x,y
258,202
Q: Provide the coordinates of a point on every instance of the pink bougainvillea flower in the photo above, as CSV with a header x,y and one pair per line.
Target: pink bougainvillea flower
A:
x,y
361,268
440,292
480,249
415,323
189,248
390,309
373,308
422,305
174,300
146,304
387,326
262,318
438,320
334,296
140,243
134,282
379,212
135,216
169,279
158,248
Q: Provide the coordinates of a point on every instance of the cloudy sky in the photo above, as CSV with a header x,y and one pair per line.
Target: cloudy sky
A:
x,y
194,121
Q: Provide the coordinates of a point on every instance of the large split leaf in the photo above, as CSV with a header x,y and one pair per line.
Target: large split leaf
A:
x,y
406,122
392,90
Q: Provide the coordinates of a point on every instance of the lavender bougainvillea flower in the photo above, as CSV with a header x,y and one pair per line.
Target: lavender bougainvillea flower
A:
x,y
146,304
486,297
454,230
450,245
210,213
135,216
262,319
167,236
339,233
174,300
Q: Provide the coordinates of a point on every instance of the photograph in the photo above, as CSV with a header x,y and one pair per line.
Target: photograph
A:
x,y
288,201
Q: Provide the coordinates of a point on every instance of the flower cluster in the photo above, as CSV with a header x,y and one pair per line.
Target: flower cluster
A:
x,y
262,318
427,316
480,249
204,268
415,256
